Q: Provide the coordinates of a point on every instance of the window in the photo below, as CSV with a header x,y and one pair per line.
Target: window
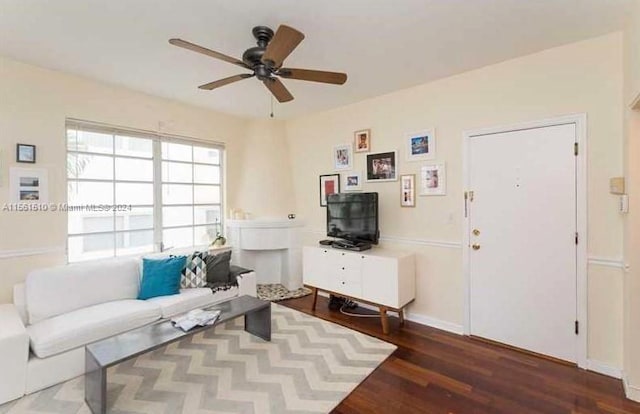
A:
x,y
132,193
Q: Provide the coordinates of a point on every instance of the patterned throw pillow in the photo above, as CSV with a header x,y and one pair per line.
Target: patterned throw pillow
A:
x,y
194,274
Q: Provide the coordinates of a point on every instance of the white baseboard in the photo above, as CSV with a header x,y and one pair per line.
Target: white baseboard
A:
x,y
604,368
632,392
435,323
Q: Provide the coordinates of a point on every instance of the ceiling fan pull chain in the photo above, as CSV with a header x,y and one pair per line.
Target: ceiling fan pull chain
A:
x,y
271,106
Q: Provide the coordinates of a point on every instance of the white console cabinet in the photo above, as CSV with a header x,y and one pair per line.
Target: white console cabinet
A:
x,y
384,278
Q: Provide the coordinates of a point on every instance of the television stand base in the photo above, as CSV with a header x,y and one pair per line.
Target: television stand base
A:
x,y
356,247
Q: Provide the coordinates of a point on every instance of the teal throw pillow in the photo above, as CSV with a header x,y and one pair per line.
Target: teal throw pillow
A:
x,y
161,277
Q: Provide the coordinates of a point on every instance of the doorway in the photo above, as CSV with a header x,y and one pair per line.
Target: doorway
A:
x,y
525,236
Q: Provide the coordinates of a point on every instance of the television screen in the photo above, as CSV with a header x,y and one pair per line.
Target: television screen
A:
x,y
353,217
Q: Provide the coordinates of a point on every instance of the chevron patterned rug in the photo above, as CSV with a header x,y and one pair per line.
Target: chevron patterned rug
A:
x,y
309,366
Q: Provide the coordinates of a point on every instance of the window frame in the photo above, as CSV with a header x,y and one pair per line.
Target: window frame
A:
x,y
157,139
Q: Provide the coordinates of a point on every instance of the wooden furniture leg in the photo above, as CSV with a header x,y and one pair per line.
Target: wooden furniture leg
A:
x,y
401,316
314,292
384,319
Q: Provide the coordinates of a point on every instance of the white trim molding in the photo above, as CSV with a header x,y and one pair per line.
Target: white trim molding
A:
x,y
580,122
432,322
631,391
404,240
604,368
10,254
606,262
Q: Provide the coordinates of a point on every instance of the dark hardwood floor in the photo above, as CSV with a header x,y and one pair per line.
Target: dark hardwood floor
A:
x,y
433,371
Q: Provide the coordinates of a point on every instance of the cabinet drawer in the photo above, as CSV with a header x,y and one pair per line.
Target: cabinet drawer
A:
x,y
349,288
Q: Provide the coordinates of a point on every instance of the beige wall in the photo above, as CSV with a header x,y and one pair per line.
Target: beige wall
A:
x,y
632,222
265,165
581,77
34,104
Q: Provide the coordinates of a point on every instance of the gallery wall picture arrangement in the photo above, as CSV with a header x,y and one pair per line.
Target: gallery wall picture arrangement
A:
x,y
433,179
420,145
353,181
329,184
408,190
26,153
342,157
362,140
382,166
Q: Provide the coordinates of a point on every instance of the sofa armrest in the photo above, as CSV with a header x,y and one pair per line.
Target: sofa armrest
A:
x,y
247,284
14,353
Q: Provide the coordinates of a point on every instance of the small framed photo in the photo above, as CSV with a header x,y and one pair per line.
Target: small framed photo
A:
x,y
362,140
421,145
408,190
26,153
433,179
382,166
342,157
329,184
353,181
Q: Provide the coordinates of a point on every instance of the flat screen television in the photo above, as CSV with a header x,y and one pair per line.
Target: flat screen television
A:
x,y
353,217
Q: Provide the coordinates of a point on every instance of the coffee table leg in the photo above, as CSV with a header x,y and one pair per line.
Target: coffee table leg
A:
x,y
95,385
258,323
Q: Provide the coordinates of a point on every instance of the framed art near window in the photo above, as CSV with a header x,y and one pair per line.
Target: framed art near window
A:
x,y
29,185
421,145
353,181
329,184
362,140
433,179
26,153
382,166
342,157
408,190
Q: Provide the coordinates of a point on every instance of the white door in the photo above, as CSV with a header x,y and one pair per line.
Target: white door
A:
x,y
522,218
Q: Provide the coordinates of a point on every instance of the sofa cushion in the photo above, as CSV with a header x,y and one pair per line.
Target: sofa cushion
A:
x,y
218,267
189,299
83,326
161,277
194,274
57,290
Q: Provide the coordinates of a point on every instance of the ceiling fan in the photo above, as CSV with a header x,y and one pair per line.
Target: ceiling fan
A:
x,y
265,60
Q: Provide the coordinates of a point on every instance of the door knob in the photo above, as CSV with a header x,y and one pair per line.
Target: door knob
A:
x,y
475,247
476,232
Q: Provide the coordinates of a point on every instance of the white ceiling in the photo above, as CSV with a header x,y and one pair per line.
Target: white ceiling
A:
x,y
384,45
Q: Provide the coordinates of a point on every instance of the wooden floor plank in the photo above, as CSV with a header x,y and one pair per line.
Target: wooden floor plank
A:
x,y
434,372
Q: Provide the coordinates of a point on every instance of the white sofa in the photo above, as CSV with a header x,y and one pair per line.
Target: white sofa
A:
x,y
57,311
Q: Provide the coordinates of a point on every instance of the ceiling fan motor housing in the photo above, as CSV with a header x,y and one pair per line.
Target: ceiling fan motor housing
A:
x,y
253,56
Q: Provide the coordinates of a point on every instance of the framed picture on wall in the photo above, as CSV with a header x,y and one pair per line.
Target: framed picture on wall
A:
x,y
382,166
362,140
26,153
342,157
353,181
433,179
408,190
329,184
29,185
421,145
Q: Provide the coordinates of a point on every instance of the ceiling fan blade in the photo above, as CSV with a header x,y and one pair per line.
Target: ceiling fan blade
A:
x,y
221,82
278,89
284,41
195,48
335,78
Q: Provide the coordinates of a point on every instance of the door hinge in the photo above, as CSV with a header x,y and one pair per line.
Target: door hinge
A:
x,y
576,238
577,327
575,148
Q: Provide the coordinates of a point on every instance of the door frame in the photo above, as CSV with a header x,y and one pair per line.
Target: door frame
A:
x,y
580,121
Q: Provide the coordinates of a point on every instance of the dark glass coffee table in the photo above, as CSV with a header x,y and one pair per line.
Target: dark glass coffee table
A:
x,y
111,351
